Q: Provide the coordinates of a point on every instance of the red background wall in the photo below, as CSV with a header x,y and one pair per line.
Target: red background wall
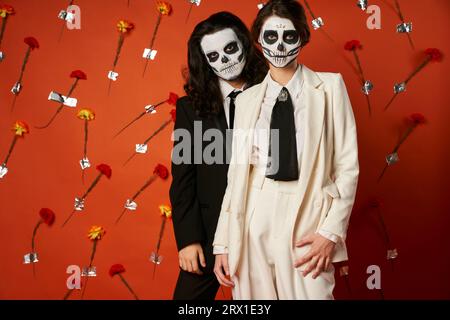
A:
x,y
44,170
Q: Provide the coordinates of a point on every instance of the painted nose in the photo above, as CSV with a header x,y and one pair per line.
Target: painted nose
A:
x,y
225,59
280,47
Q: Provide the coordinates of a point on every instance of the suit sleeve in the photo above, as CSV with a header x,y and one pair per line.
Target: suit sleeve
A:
x,y
186,214
345,165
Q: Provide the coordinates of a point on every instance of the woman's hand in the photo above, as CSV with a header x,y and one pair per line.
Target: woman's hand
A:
x,y
189,258
319,256
222,270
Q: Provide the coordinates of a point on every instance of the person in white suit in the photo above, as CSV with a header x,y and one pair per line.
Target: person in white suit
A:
x,y
293,174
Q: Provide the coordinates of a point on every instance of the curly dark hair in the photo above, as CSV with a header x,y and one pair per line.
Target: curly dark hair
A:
x,y
289,9
202,84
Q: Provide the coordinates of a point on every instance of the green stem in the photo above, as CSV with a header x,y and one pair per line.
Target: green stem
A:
x,y
34,235
2,31
128,286
11,148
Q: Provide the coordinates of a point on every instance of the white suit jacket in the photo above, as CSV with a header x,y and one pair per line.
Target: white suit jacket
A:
x,y
329,169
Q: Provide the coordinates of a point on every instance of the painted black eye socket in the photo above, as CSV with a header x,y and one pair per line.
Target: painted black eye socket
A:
x,y
213,56
231,48
290,37
270,36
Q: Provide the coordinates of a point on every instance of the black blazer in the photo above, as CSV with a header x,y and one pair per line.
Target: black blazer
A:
x,y
197,190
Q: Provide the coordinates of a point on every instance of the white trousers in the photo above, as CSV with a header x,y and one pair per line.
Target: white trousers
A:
x,y
266,269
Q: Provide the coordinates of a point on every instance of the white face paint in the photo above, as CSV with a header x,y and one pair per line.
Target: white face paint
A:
x,y
280,41
225,54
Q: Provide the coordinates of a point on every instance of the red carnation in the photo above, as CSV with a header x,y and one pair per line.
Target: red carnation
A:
x,y
434,54
173,98
352,45
161,171
417,119
105,170
47,216
80,75
116,269
31,42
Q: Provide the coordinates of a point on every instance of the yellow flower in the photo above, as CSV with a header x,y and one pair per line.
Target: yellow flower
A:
x,y
166,211
6,10
124,26
96,233
20,128
86,114
164,8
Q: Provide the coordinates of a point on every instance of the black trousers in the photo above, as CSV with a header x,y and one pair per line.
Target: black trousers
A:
x,y
192,286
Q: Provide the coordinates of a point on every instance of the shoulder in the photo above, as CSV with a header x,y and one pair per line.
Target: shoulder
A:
x,y
330,78
185,109
249,93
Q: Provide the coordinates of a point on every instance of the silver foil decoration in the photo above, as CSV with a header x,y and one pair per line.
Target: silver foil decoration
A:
x,y
367,87
3,170
362,4
2,56
196,2
150,109
283,96
85,163
405,27
392,158
79,204
89,272
113,75
141,148
30,258
392,254
156,258
67,101
65,15
317,23
260,5
149,54
131,205
16,89
399,87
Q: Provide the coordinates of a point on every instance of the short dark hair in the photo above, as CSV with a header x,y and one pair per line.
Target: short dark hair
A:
x,y
202,84
289,9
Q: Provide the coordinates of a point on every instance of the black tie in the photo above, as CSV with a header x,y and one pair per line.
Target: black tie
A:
x,y
232,97
283,165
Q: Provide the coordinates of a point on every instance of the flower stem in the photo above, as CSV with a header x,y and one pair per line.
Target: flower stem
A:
x,y
11,148
128,286
152,41
94,183
34,235
2,31
165,124
61,106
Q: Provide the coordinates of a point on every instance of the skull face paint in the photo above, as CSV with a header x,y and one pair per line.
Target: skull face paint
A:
x,y
280,41
224,53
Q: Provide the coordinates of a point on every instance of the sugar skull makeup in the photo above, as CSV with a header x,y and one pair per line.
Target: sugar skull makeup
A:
x,y
280,41
225,54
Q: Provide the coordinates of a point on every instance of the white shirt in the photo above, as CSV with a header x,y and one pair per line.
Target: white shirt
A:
x,y
262,127
226,89
262,130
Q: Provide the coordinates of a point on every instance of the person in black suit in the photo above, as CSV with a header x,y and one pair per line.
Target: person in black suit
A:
x,y
222,61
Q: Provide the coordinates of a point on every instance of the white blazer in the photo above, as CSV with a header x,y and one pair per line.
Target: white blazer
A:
x,y
329,169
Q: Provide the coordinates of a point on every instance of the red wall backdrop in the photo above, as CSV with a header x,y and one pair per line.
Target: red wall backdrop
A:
x,y
44,170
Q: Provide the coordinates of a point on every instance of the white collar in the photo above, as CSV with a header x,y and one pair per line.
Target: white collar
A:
x,y
293,86
227,88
